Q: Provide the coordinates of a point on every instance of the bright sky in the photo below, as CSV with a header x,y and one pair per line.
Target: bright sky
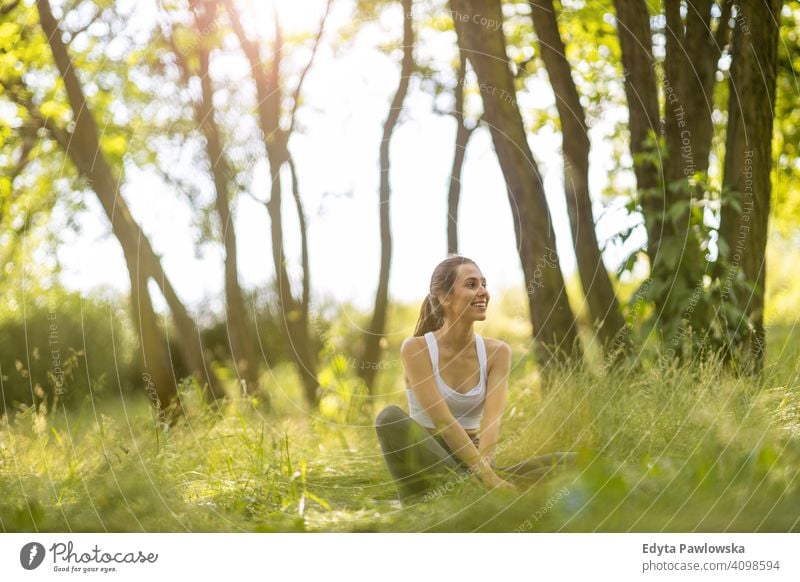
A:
x,y
347,98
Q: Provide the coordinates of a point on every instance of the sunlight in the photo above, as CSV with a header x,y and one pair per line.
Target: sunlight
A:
x,y
295,15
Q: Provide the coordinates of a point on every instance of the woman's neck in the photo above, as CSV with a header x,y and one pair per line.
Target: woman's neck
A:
x,y
456,335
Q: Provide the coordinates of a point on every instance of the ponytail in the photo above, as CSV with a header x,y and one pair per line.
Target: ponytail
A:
x,y
431,315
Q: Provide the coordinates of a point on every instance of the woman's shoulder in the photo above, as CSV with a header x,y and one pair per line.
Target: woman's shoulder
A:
x,y
495,347
413,345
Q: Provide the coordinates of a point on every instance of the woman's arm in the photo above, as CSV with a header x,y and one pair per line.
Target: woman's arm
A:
x,y
420,376
499,366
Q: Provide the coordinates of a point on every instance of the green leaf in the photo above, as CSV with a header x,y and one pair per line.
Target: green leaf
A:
x,y
724,248
677,209
671,253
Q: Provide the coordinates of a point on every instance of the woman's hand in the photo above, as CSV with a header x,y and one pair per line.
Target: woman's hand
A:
x,y
493,481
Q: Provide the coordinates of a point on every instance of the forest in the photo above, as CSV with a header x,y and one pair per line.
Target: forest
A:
x,y
218,220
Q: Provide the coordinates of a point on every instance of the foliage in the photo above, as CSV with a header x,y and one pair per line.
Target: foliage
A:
x,y
786,145
57,346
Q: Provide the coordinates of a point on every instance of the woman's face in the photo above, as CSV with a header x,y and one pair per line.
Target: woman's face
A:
x,y
469,297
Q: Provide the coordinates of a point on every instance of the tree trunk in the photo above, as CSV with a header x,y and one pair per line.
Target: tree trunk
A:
x,y
748,163
158,378
701,67
633,29
669,201
294,320
377,326
551,316
682,74
238,325
83,147
301,218
463,134
690,69
688,64
600,296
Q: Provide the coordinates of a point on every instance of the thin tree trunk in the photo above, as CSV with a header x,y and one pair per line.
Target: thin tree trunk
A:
x,y
377,326
301,217
600,296
633,29
153,349
294,320
748,163
238,324
690,67
83,147
679,158
657,171
277,153
704,54
463,134
696,60
551,316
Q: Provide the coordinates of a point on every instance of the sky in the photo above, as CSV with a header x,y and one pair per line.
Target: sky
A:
x,y
346,97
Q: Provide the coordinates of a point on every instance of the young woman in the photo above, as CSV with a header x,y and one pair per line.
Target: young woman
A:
x,y
456,385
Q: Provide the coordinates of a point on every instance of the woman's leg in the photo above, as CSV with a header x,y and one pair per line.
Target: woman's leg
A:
x,y
412,455
462,466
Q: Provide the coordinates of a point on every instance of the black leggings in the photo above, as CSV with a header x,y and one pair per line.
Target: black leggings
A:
x,y
417,460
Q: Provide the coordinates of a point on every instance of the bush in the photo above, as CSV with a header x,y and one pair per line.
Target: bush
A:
x,y
59,346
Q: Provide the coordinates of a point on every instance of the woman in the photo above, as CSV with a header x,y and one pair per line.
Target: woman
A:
x,y
456,383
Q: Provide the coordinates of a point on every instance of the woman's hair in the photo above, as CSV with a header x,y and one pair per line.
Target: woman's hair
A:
x,y
431,315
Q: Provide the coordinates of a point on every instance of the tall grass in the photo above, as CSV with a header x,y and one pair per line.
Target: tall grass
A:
x,y
690,448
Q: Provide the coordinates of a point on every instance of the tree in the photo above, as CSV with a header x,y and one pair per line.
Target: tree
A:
x,y
639,74
600,296
786,201
692,291
551,316
671,153
270,92
463,133
239,325
82,145
748,165
36,195
372,340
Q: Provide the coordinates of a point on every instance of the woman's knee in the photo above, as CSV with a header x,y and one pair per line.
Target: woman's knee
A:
x,y
390,415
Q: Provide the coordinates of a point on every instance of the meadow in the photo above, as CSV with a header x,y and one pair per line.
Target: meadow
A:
x,y
662,447
200,189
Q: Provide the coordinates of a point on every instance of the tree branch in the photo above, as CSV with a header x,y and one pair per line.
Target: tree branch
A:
x,y
6,8
296,94
24,157
84,28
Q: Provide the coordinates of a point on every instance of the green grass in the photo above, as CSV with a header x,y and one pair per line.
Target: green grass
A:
x,y
673,449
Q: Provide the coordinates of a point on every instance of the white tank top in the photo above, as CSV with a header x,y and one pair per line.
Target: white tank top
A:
x,y
467,408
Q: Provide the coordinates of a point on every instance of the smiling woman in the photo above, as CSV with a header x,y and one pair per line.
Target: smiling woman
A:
x,y
457,383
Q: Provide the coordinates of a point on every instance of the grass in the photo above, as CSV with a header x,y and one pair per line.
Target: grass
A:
x,y
688,448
